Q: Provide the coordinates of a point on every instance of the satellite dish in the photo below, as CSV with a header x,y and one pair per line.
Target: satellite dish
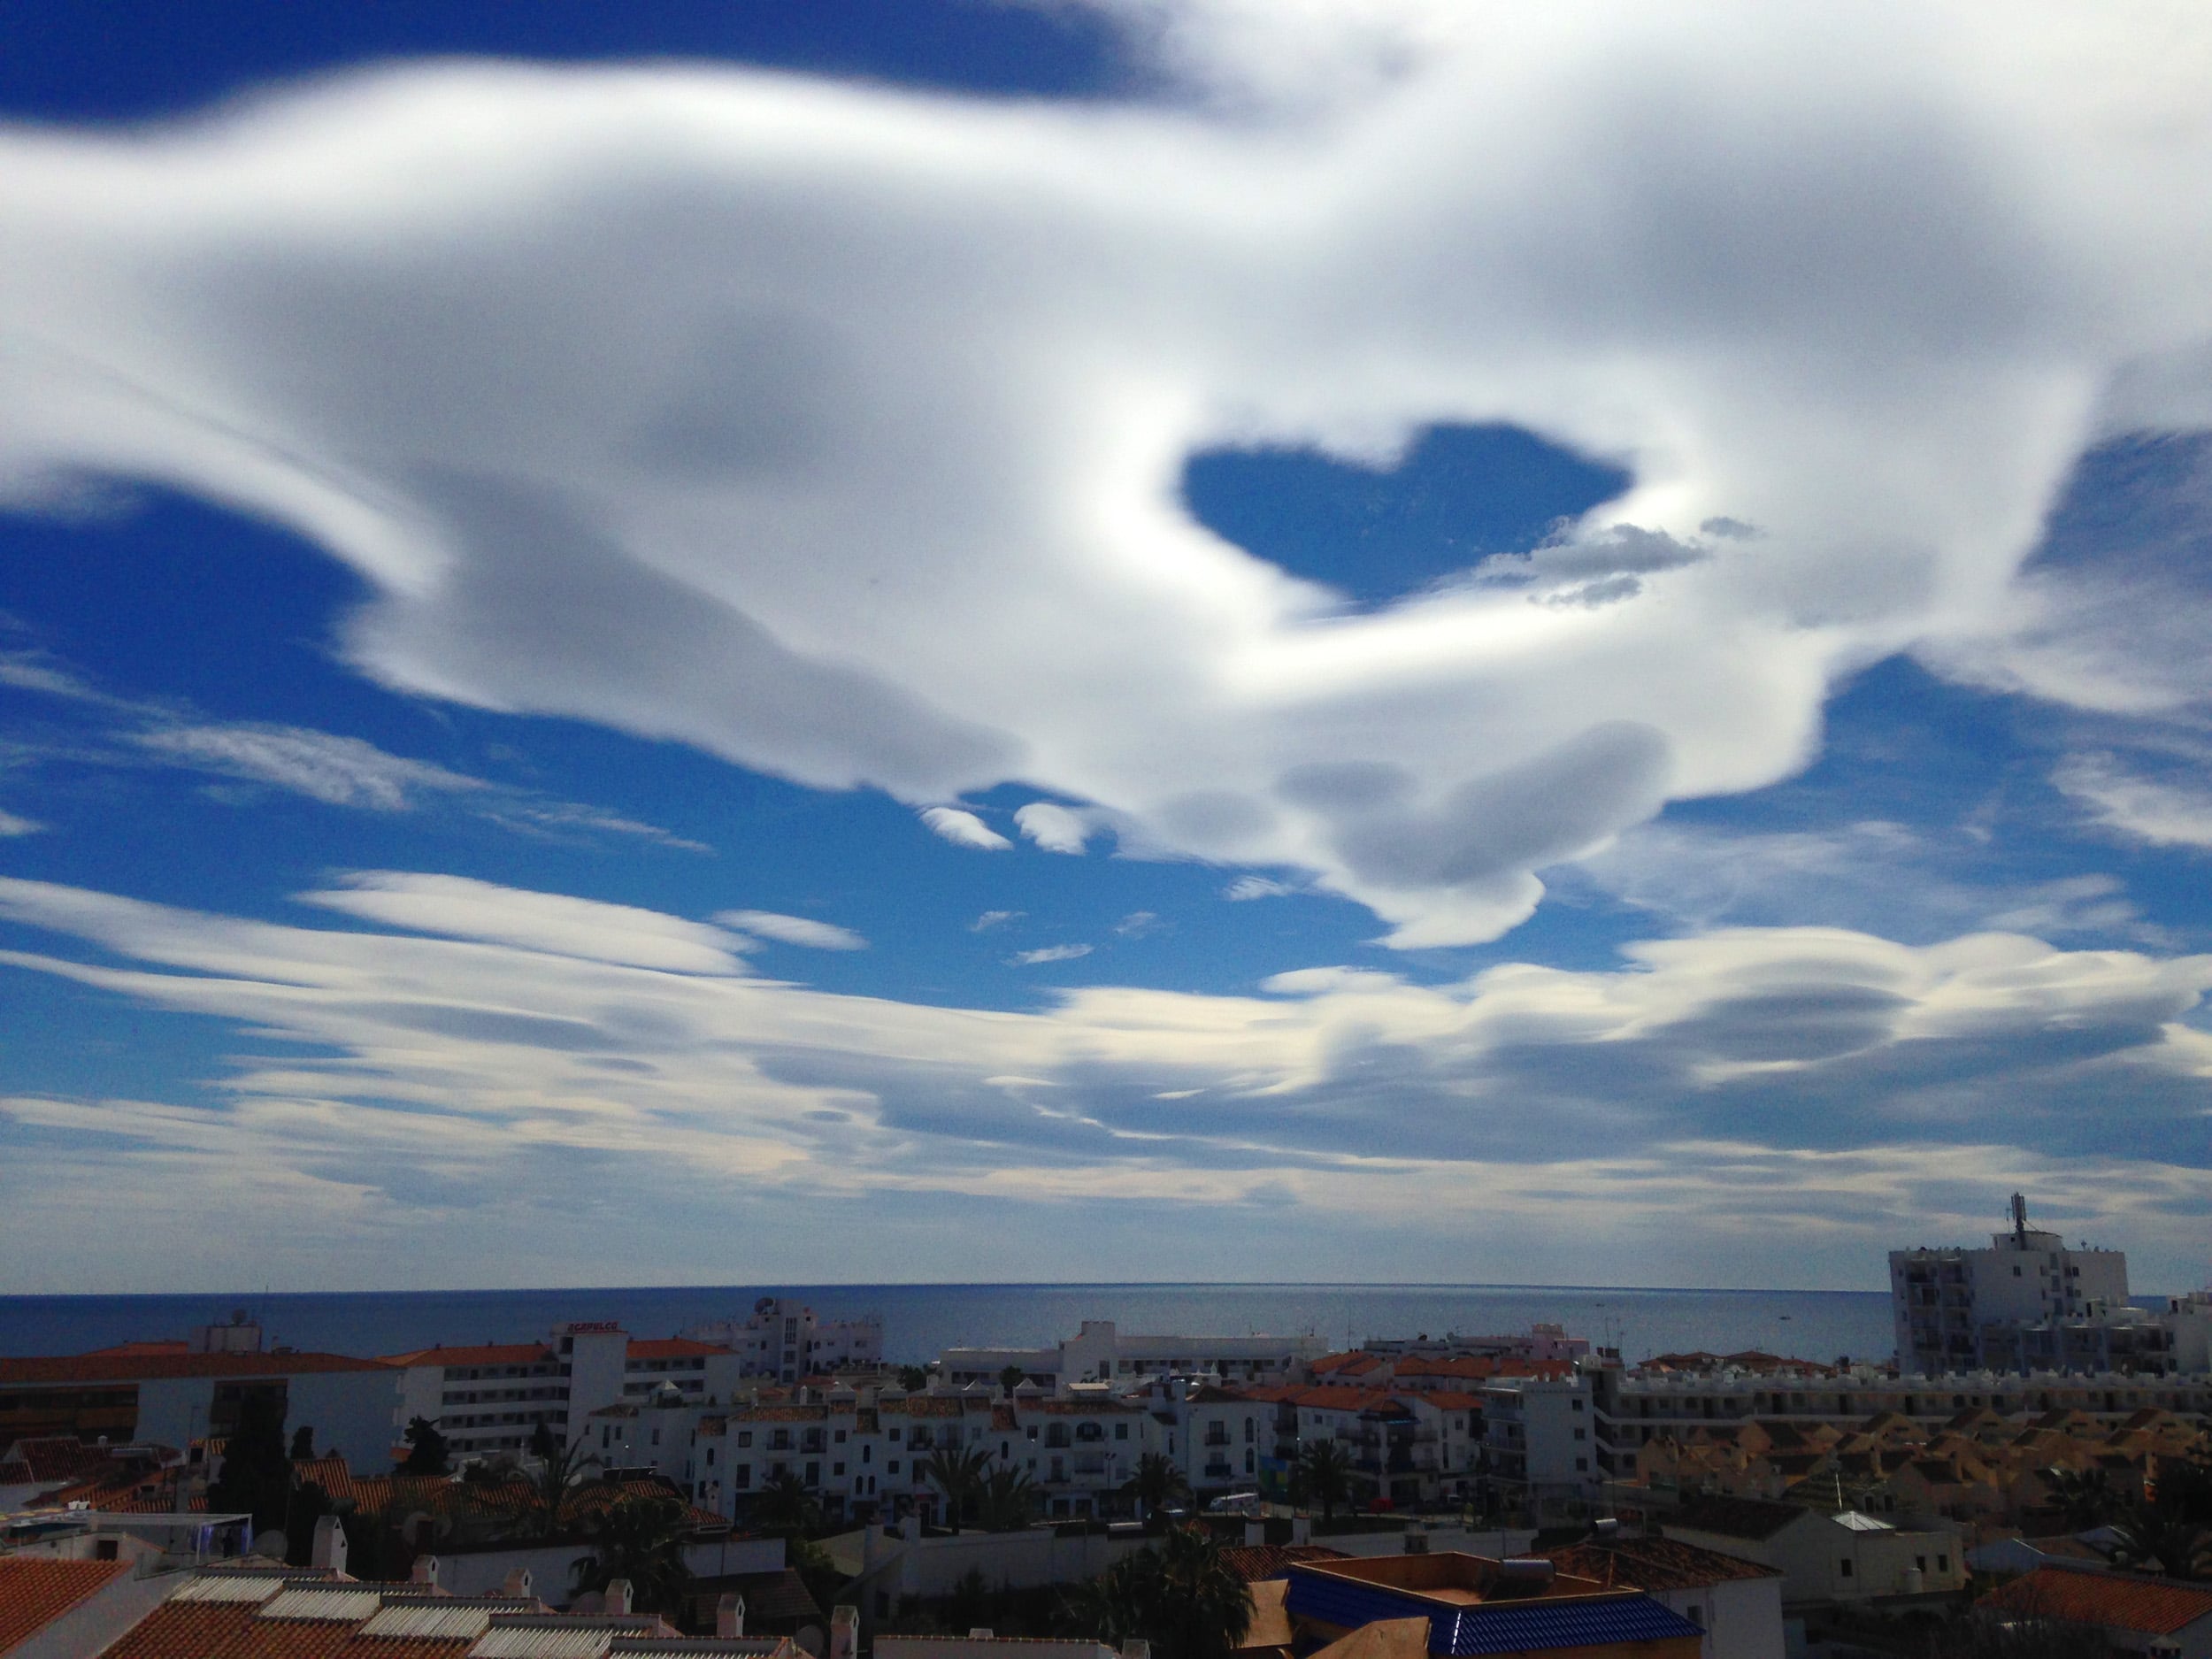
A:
x,y
764,1304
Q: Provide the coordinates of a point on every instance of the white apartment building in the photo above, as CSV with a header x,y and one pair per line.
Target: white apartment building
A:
x,y
1540,1438
784,1339
491,1397
1101,1353
864,1452
1629,1408
2026,1303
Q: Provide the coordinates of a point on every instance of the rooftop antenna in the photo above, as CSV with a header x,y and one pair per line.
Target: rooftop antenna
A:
x,y
2020,1219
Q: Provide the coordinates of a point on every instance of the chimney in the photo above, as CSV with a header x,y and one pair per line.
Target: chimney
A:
x,y
1255,1532
729,1616
330,1544
517,1587
618,1596
426,1571
844,1642
1302,1529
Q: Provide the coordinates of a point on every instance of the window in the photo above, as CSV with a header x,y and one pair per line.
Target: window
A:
x,y
1250,1429
710,1457
840,1437
1121,1431
741,1476
1582,1465
1582,1434
895,1437
744,1437
867,1454
814,1474
2016,1272
1578,1405
1843,1569
1943,1563
894,1465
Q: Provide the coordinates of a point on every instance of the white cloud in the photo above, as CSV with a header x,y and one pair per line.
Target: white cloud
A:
x,y
989,919
466,908
1246,887
11,825
338,771
793,930
2164,812
1728,1099
1139,924
1054,828
964,829
1048,953
837,431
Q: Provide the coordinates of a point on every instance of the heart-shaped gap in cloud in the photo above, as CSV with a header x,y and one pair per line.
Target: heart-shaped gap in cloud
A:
x,y
1460,494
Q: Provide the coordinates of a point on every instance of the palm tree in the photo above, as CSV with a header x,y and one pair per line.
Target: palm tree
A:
x,y
1156,1483
1009,1377
1006,1501
640,1539
785,1505
560,1471
2150,1535
2084,1498
960,1475
1182,1597
1327,1467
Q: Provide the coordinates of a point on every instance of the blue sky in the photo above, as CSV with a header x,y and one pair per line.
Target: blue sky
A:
x,y
1109,640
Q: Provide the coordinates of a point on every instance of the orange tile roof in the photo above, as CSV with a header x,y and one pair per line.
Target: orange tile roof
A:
x,y
2152,1607
481,1354
35,1592
186,1629
1448,1398
1352,1363
87,1368
1327,1397
59,1457
1654,1564
673,1347
1255,1562
166,1346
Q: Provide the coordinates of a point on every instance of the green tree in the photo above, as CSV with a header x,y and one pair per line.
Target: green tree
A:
x,y
309,1504
1156,1483
256,1476
542,1445
640,1539
784,1505
1327,1468
1008,1501
1009,1377
1182,1597
960,1475
913,1378
303,1443
426,1453
2153,1537
2084,1498
558,1474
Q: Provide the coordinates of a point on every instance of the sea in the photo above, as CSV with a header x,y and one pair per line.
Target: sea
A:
x,y
921,1320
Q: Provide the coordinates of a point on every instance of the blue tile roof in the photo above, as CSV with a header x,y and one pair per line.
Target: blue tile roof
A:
x,y
1496,1627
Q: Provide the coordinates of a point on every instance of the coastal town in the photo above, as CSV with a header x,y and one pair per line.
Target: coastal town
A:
x,y
2035,1453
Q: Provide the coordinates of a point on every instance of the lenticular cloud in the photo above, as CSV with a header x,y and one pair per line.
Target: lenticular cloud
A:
x,y
837,431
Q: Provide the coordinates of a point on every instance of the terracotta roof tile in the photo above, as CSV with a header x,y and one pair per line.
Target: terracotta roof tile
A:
x,y
35,1592
673,1347
2150,1607
95,1368
1253,1563
57,1456
187,1630
483,1353
1654,1564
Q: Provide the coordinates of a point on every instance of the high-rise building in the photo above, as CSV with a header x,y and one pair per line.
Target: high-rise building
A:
x,y
2025,1303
